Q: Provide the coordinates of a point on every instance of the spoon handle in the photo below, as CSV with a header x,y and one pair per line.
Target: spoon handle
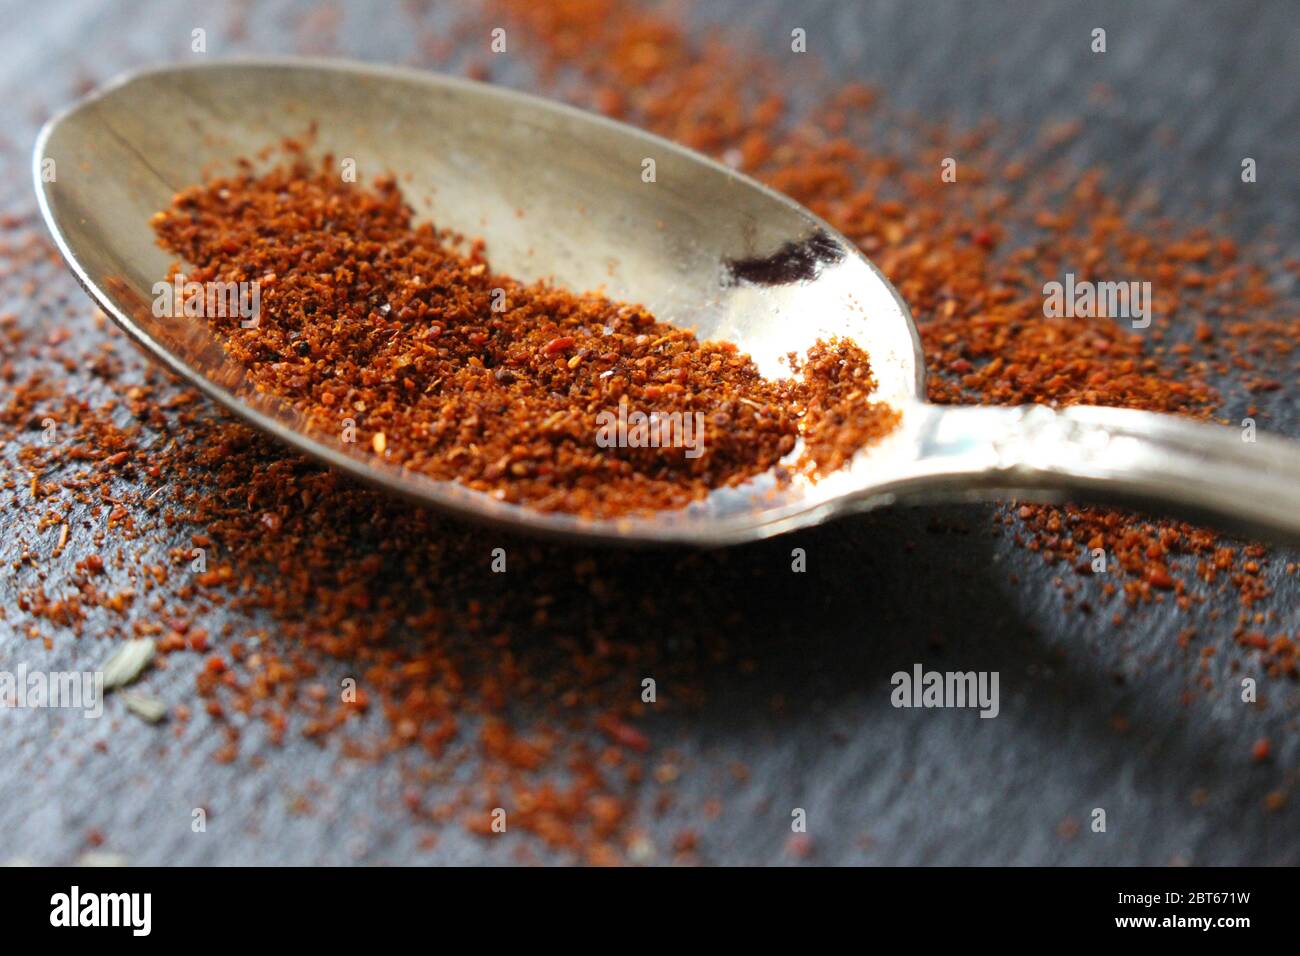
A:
x,y
1231,477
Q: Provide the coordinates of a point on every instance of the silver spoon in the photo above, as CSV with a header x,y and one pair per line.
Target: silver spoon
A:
x,y
561,194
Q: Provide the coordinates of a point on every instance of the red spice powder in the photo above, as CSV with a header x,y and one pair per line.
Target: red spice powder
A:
x,y
443,366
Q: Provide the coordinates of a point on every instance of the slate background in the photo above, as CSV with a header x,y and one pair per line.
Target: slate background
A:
x,y
1198,86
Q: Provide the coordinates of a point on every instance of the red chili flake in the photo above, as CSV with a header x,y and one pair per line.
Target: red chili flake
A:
x,y
558,345
625,734
800,846
1158,577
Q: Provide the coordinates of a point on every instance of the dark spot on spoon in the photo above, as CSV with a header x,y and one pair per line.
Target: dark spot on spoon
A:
x,y
793,262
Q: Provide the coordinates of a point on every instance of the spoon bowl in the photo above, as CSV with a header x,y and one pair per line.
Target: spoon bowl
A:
x,y
562,195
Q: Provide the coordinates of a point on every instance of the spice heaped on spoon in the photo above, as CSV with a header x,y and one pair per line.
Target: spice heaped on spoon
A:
x,y
379,330
558,194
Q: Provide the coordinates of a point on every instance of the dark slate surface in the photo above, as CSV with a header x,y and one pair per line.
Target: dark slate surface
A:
x,y
879,785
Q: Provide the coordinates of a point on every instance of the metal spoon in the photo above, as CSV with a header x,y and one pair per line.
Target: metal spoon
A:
x,y
560,194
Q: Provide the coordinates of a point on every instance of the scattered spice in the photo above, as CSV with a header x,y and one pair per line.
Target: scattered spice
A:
x,y
292,578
